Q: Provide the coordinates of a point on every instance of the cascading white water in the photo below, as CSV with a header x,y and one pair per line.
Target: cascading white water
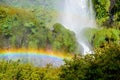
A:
x,y
77,16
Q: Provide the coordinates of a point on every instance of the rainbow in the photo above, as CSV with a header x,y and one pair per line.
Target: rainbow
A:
x,y
39,57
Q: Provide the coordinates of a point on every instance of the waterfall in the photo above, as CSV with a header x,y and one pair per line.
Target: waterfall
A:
x,y
77,15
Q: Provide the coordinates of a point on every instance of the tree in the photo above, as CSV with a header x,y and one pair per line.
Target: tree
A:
x,y
112,10
74,69
104,64
107,62
107,12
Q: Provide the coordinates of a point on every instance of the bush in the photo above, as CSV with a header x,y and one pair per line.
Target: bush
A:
x,y
15,70
105,36
103,65
63,39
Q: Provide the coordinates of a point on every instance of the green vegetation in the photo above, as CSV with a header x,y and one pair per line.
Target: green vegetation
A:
x,y
104,36
104,65
107,18
14,70
62,39
35,28
22,29
107,12
99,37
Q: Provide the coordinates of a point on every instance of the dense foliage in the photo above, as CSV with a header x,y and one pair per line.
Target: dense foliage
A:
x,y
24,29
105,36
35,27
104,65
14,70
99,37
107,12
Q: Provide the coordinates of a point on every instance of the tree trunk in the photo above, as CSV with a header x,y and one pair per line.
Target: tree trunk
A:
x,y
111,11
